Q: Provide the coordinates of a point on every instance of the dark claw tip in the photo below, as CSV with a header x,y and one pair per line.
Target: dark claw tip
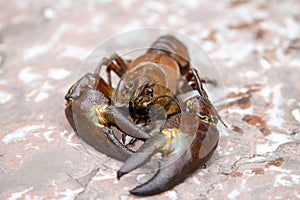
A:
x,y
139,191
120,174
136,192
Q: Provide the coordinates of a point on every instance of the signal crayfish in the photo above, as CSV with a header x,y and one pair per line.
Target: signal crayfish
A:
x,y
144,115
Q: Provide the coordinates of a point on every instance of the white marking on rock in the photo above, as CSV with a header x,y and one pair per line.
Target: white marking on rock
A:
x,y
21,133
76,52
58,74
66,137
279,180
41,96
154,5
4,97
274,141
125,197
27,75
175,20
42,92
292,30
49,13
40,49
265,63
279,169
191,4
103,176
297,194
18,195
127,4
241,111
70,194
296,179
196,180
172,194
265,148
233,194
249,74
3,82
257,159
286,178
140,177
275,113
48,133
296,114
279,138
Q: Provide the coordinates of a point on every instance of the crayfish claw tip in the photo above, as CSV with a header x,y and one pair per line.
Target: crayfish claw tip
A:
x,y
120,174
137,192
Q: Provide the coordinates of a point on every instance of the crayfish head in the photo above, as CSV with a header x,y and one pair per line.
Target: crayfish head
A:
x,y
141,101
137,81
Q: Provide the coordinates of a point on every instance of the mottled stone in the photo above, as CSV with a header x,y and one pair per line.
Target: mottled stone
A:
x,y
254,45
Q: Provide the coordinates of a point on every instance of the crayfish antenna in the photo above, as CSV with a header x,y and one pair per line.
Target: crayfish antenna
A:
x,y
224,124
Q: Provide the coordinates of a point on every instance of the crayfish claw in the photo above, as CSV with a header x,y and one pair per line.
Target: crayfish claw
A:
x,y
165,178
143,155
184,148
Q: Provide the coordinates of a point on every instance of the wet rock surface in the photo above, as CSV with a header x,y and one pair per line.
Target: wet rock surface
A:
x,y
254,45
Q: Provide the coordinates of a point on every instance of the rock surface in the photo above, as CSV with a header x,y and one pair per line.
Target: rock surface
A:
x,y
255,46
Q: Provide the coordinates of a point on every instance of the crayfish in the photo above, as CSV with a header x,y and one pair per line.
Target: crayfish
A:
x,y
145,109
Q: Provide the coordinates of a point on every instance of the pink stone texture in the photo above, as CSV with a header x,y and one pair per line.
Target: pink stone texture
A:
x,y
255,46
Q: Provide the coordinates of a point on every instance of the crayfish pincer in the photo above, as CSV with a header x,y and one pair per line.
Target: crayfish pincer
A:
x,y
144,114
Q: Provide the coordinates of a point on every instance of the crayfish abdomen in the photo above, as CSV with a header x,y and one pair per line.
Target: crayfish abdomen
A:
x,y
148,86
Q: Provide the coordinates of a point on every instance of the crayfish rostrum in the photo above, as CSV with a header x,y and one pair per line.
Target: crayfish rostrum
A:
x,y
146,108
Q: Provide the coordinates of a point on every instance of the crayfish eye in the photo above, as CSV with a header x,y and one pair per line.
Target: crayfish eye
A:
x,y
149,91
207,118
203,117
126,87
